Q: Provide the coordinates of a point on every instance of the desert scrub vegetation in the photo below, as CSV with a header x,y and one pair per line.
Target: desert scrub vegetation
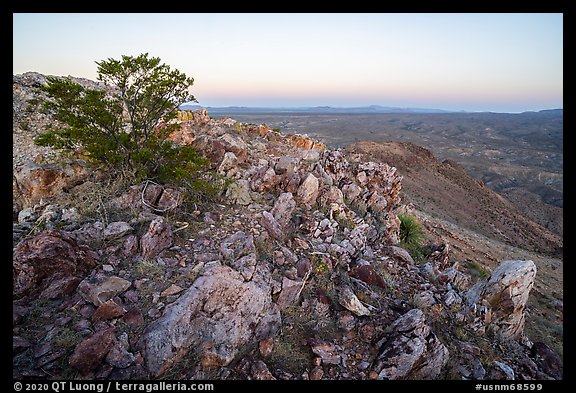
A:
x,y
126,129
412,237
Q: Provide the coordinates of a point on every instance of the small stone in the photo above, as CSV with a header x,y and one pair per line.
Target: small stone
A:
x,y
303,266
41,350
316,373
108,268
260,372
90,353
317,361
119,357
20,344
272,226
349,301
157,239
373,374
134,317
363,365
172,290
108,310
346,321
291,273
100,289
82,325
116,230
325,350
266,347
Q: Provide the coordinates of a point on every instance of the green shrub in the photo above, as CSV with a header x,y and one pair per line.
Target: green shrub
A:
x,y
127,130
412,237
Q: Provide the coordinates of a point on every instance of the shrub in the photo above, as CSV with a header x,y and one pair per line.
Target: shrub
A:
x,y
412,236
127,129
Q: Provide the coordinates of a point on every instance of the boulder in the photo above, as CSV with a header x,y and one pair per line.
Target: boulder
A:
x,y
411,350
50,260
308,190
36,182
218,315
506,294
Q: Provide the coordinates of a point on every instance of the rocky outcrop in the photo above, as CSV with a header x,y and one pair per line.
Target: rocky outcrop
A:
x,y
216,316
50,264
502,299
33,182
411,350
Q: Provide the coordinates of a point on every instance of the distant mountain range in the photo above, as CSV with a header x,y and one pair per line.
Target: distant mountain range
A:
x,y
330,109
314,109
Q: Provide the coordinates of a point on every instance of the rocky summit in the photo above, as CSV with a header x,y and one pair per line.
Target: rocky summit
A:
x,y
295,274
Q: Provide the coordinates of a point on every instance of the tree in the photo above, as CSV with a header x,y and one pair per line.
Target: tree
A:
x,y
127,126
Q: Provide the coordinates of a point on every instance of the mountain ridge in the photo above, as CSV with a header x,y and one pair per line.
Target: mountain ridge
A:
x,y
297,274
345,110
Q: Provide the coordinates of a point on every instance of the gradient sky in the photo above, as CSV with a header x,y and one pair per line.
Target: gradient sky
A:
x,y
475,62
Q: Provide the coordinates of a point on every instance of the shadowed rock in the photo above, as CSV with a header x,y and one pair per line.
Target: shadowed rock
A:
x,y
88,355
411,350
51,261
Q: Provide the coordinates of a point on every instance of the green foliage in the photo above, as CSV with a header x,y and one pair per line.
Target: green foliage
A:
x,y
127,129
478,269
412,236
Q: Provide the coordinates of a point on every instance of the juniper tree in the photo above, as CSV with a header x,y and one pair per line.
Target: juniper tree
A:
x,y
127,127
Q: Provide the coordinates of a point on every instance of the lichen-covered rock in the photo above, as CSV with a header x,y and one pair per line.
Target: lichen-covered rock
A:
x,y
283,208
216,316
506,294
411,350
36,182
239,192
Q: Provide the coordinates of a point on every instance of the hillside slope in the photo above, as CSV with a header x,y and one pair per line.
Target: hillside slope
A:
x,y
445,190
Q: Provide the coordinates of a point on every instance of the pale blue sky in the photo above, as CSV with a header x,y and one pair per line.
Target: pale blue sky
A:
x,y
476,62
